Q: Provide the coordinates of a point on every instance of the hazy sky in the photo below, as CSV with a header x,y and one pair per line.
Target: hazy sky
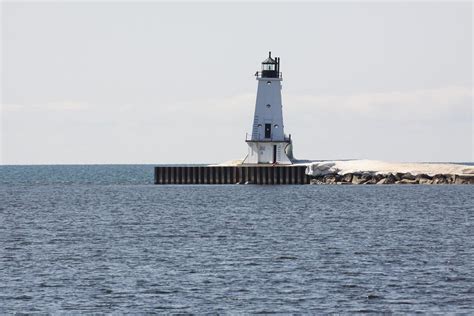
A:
x,y
173,83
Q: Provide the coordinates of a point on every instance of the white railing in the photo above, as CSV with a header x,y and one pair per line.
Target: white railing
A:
x,y
271,139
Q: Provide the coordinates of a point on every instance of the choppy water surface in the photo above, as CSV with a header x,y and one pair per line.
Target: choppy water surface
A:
x,y
103,239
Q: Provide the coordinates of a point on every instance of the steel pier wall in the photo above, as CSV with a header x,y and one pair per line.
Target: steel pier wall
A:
x,y
231,175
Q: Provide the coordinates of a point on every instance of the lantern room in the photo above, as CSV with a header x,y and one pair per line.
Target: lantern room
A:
x,y
271,67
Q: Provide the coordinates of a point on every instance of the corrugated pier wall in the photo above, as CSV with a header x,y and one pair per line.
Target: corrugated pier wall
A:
x,y
231,175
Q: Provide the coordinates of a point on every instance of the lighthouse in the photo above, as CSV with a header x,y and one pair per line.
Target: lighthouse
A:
x,y
269,159
268,143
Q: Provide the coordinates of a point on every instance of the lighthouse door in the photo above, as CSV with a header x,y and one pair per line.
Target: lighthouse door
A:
x,y
268,130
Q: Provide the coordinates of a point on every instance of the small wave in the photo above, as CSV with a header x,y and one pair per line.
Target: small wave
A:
x,y
157,291
286,258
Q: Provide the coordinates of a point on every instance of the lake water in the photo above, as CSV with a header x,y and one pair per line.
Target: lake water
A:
x,y
104,239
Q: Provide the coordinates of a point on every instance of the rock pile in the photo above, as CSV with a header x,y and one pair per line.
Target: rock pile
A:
x,y
397,178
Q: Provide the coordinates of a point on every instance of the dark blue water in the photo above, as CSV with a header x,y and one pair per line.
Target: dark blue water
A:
x,y
104,239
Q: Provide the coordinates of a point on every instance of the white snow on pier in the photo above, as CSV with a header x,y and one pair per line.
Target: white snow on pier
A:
x,y
342,167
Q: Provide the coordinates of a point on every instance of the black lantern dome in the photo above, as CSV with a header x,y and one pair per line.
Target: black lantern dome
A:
x,y
271,67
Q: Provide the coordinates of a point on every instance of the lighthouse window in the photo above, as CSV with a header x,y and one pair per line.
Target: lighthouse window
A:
x,y
276,125
259,125
268,105
269,82
268,66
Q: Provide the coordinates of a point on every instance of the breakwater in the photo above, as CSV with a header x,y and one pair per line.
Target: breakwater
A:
x,y
258,174
278,174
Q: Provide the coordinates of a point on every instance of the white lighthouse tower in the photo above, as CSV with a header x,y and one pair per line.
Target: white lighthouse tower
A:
x,y
268,143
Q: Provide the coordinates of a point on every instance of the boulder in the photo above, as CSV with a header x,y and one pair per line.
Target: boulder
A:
x,y
406,181
382,181
439,179
371,180
316,181
362,178
398,176
390,179
330,179
357,178
408,176
450,178
422,176
379,177
425,181
347,177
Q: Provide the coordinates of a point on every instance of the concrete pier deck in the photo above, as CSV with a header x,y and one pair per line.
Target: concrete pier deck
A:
x,y
258,174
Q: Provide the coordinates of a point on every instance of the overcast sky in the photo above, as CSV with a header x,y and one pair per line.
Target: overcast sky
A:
x,y
173,83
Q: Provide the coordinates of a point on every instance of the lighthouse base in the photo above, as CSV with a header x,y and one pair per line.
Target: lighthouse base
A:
x,y
268,152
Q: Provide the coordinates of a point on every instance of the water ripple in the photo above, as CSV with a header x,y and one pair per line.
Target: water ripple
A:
x,y
93,246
